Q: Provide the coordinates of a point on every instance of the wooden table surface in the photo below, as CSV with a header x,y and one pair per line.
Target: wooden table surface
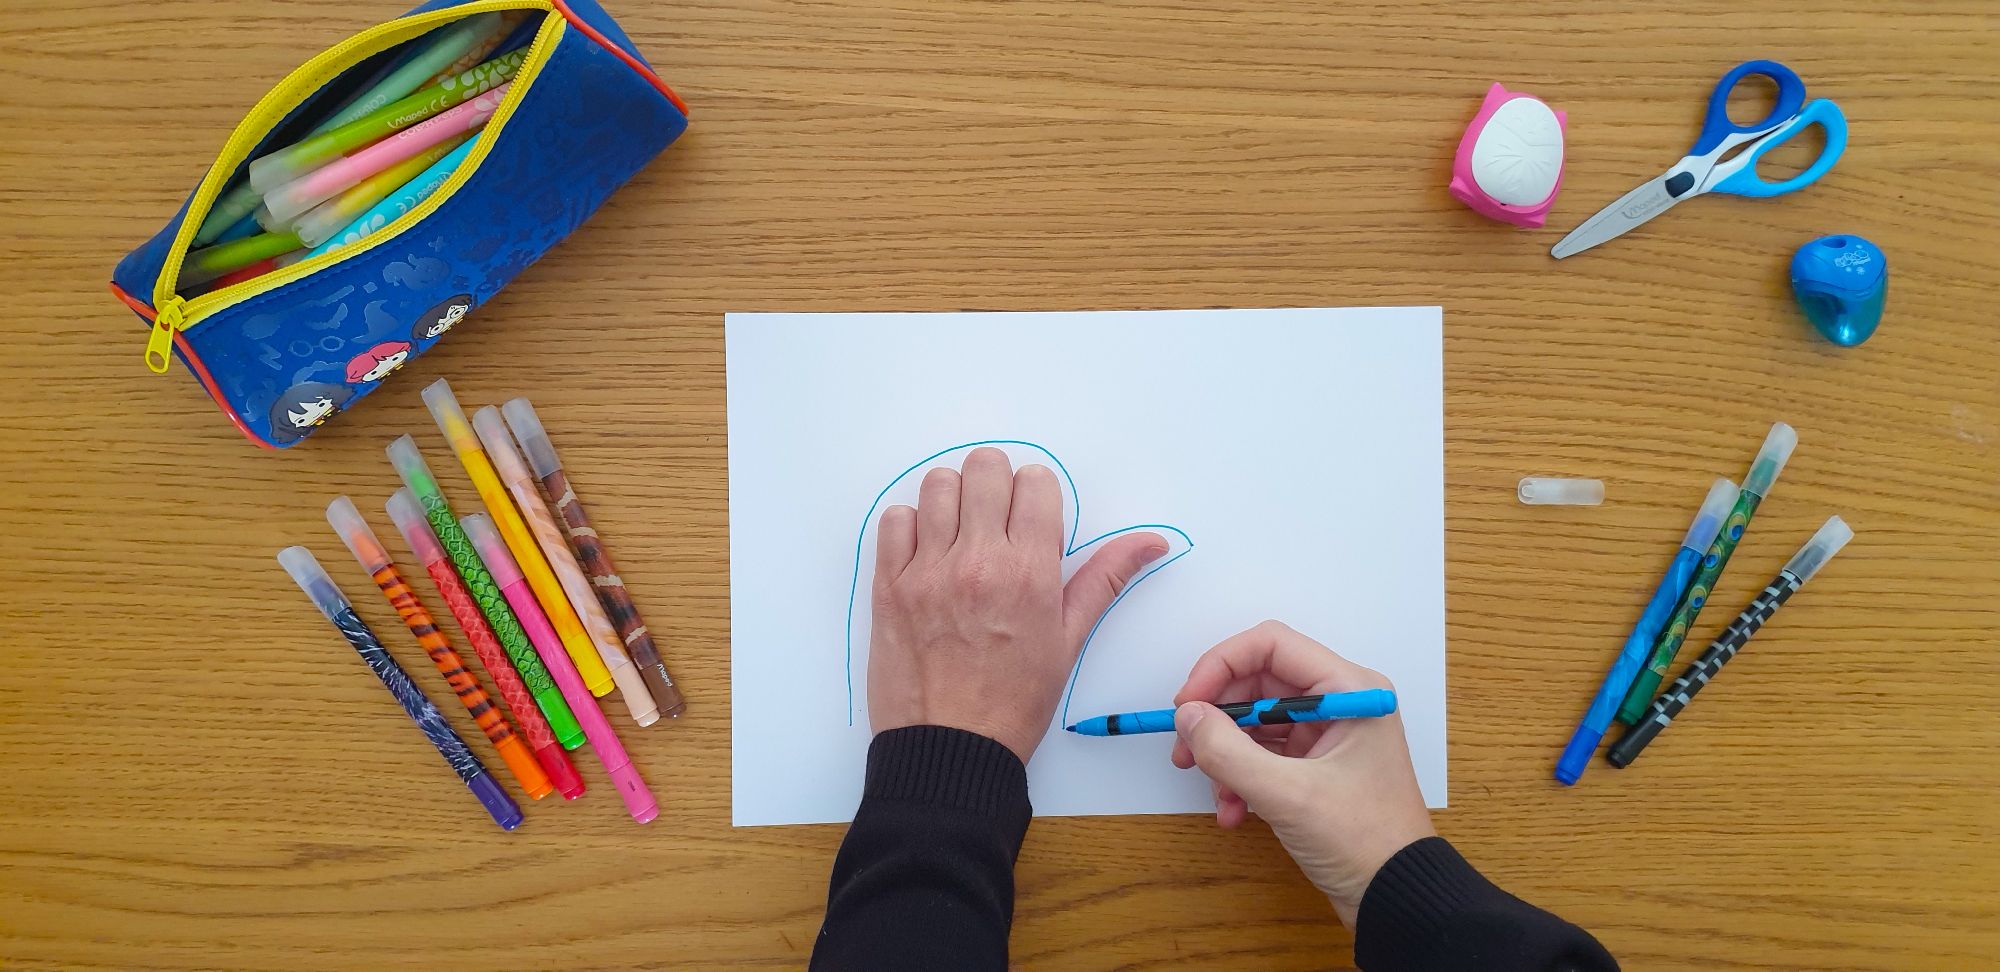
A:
x,y
198,774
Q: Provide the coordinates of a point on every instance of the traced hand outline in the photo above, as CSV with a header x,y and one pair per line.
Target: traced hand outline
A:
x,y
1070,549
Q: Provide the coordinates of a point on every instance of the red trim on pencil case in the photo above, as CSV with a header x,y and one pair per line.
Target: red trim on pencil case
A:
x,y
194,360
194,364
621,54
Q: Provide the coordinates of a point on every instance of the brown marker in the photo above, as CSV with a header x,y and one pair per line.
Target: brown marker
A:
x,y
590,552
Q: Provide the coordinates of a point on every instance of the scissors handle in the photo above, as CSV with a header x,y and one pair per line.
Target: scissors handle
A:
x,y
1739,174
1717,126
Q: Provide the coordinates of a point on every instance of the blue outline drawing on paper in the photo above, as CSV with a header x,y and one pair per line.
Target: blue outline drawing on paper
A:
x,y
1070,549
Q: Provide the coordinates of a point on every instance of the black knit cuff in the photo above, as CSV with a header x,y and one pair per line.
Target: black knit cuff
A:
x,y
945,767
1416,896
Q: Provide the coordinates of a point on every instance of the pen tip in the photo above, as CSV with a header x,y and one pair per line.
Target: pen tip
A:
x,y
1069,728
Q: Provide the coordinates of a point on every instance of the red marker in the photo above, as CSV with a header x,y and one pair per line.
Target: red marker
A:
x,y
548,751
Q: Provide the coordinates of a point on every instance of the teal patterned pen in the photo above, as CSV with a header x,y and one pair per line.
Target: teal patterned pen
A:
x,y
1764,471
1801,568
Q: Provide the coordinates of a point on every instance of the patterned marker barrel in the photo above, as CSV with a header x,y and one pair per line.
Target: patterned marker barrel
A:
x,y
1662,658
1361,704
534,727
596,561
428,718
1661,713
463,683
493,605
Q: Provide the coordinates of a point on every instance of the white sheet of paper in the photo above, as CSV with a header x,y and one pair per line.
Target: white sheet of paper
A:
x,y
1297,455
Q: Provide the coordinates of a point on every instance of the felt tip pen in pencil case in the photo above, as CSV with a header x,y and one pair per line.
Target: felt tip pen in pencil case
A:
x,y
283,351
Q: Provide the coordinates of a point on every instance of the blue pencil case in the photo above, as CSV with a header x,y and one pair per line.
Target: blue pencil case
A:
x,y
284,351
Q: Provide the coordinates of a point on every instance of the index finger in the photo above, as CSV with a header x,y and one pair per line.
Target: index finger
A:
x,y
1274,648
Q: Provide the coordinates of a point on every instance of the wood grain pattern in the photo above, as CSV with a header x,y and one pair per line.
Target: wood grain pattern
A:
x,y
199,774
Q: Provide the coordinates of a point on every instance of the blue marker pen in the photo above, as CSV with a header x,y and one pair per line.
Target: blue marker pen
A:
x,y
1625,668
1365,704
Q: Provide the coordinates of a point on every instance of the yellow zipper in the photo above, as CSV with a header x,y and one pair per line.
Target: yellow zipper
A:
x,y
175,313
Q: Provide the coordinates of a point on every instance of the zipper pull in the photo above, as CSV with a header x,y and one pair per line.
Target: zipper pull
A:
x,y
171,317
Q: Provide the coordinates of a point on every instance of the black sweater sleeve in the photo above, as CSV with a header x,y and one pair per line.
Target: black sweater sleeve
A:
x,y
925,877
1427,909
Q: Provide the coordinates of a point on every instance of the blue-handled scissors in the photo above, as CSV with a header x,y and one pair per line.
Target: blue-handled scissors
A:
x,y
1705,170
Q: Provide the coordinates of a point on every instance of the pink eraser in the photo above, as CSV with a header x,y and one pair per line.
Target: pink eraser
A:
x,y
1509,163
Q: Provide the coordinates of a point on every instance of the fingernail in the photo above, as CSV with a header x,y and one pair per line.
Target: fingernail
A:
x,y
1153,553
1187,715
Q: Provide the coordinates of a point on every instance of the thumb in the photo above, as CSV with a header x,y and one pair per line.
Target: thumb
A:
x,y
1228,754
1099,581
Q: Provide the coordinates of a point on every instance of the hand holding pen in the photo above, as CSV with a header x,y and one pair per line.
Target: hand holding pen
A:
x,y
1293,773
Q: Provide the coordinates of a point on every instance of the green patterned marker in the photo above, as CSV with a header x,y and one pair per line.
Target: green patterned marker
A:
x,y
1763,472
423,486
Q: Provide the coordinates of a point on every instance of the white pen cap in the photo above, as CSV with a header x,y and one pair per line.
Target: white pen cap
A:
x,y
1778,446
1550,491
312,579
527,427
1832,536
1708,520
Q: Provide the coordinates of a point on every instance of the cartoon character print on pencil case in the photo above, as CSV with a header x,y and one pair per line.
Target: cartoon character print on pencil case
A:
x,y
306,406
427,717
435,322
463,683
378,362
575,140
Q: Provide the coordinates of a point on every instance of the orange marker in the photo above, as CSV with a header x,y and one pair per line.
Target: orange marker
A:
x,y
374,558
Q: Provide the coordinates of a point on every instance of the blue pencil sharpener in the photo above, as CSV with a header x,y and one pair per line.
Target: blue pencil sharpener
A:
x,y
1840,281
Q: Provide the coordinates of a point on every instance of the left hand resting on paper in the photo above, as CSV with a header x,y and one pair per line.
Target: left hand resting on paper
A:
x,y
973,626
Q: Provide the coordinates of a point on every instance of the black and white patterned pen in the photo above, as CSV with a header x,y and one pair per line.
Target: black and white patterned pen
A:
x,y
1803,565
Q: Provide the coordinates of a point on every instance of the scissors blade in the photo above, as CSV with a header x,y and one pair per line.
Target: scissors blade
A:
x,y
1649,200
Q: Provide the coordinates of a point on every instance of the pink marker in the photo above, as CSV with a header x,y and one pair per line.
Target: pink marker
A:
x,y
289,201
507,574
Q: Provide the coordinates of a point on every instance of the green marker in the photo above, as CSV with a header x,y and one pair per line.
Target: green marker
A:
x,y
208,263
442,47
1763,472
276,168
423,489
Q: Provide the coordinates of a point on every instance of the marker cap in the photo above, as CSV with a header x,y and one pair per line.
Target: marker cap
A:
x,y
1549,491
409,517
1832,536
493,434
410,464
535,442
1771,458
1708,520
493,550
312,579
449,417
355,532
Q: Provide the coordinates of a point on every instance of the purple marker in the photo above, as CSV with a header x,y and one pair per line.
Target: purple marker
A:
x,y
312,579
